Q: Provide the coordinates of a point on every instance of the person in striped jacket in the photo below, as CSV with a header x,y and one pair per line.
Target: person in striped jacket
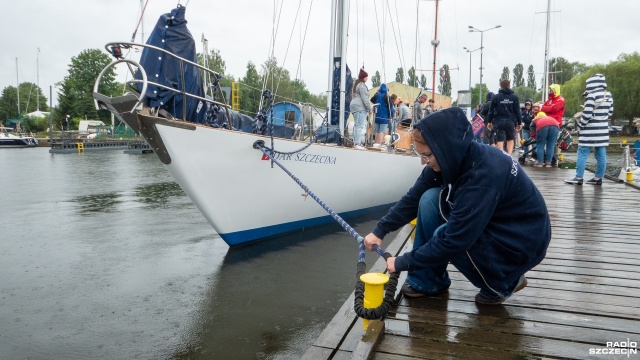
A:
x,y
594,129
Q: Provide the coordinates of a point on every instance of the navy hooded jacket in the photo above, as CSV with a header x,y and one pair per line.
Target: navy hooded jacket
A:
x,y
505,106
493,210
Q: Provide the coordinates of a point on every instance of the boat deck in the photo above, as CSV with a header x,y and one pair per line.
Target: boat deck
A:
x,y
584,295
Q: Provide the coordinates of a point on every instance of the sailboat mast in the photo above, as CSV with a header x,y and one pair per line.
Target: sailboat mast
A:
x,y
337,57
344,20
38,81
332,42
435,43
545,83
18,87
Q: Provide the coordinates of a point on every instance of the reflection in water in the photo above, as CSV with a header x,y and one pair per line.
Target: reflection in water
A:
x,y
152,196
95,203
158,194
272,299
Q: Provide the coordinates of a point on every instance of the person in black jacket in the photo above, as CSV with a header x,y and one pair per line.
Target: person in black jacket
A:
x,y
527,118
488,136
476,209
504,116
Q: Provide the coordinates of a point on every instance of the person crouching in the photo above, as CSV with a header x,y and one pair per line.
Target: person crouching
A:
x,y
476,209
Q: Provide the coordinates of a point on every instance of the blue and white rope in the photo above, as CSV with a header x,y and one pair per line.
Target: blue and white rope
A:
x,y
268,152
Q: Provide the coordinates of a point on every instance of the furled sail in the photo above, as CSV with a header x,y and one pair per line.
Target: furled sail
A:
x,y
171,34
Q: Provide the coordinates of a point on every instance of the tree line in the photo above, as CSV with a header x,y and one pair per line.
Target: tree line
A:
x,y
75,91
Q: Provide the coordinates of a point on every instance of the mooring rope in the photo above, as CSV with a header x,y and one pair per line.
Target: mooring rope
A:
x,y
371,313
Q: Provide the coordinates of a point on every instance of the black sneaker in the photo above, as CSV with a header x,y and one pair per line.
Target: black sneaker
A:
x,y
408,291
594,182
494,299
577,181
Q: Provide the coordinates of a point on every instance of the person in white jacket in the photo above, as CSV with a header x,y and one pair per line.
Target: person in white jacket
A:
x,y
594,130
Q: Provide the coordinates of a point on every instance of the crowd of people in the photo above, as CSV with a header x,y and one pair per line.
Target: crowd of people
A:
x,y
507,125
389,112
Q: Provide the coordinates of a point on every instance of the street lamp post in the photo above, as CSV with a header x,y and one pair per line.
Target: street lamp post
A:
x,y
472,29
470,51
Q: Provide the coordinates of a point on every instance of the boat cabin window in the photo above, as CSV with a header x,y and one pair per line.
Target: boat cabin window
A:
x,y
289,118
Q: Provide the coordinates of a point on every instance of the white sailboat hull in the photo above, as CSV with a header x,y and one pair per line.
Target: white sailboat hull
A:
x,y
246,199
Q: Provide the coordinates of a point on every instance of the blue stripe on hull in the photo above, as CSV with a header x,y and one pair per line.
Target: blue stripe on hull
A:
x,y
246,236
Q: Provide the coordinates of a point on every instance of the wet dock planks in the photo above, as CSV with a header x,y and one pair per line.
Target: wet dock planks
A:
x,y
585,293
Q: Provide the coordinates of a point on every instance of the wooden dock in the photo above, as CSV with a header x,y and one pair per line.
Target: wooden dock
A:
x,y
583,296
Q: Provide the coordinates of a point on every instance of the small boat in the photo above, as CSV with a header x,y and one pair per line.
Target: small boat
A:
x,y
238,189
9,139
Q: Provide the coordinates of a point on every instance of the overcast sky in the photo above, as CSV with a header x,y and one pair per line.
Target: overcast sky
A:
x,y
588,31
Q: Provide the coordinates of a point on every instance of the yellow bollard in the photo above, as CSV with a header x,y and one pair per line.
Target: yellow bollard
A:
x,y
629,176
560,157
413,233
373,292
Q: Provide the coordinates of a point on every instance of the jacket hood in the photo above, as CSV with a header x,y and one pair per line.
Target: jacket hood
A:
x,y
596,82
449,135
506,91
528,101
556,89
382,92
489,95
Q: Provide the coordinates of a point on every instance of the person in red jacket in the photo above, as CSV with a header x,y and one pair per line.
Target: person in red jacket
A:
x,y
554,106
546,133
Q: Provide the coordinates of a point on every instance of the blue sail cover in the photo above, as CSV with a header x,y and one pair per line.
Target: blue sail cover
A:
x,y
171,34
335,95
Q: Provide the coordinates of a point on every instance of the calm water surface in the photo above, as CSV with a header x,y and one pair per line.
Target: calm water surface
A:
x,y
103,256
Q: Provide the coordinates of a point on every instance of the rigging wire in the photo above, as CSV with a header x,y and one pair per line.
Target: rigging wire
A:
x,y
133,37
271,51
395,38
415,49
404,63
275,92
380,41
303,40
357,34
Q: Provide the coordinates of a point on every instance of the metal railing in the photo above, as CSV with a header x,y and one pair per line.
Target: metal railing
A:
x,y
114,48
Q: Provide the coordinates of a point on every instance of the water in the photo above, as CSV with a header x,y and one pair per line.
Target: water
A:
x,y
103,256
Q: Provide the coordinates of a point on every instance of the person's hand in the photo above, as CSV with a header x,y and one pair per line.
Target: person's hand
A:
x,y
490,126
370,240
391,264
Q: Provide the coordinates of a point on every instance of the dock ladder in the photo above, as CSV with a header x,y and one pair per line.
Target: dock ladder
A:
x,y
235,95
80,147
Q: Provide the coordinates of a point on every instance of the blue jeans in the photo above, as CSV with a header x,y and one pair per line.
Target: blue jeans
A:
x,y
526,135
380,128
436,278
392,127
360,120
546,139
601,159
